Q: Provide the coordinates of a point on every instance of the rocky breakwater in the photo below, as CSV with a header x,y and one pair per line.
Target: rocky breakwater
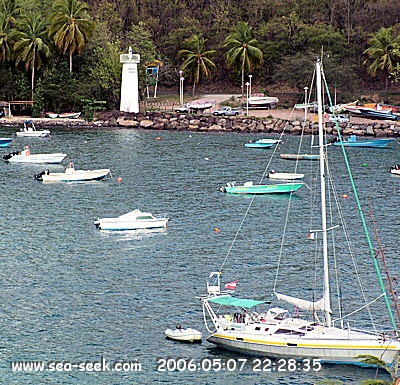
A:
x,y
245,124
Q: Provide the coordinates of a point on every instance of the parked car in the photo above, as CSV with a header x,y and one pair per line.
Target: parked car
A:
x,y
228,111
339,118
184,108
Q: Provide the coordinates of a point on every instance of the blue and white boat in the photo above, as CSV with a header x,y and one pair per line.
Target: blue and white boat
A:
x,y
353,142
4,142
262,143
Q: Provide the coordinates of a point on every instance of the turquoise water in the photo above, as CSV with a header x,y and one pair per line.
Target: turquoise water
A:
x,y
71,293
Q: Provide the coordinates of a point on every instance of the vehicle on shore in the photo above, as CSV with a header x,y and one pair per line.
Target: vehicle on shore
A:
x,y
228,111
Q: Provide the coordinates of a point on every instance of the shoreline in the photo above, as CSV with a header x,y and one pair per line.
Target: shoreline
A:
x,y
258,121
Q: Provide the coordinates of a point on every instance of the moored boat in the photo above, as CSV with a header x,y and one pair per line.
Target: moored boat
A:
x,y
285,175
352,141
257,189
72,175
4,142
258,145
29,130
300,156
183,335
134,220
262,143
26,156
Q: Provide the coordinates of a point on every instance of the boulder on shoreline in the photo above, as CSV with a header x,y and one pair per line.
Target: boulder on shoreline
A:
x,y
194,122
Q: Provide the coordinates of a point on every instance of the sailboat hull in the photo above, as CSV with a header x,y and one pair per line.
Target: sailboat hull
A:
x,y
328,350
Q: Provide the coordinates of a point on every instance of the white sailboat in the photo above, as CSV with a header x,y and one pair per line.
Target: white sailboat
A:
x,y
315,332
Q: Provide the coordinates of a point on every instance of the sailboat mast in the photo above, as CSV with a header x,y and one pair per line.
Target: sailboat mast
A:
x,y
323,194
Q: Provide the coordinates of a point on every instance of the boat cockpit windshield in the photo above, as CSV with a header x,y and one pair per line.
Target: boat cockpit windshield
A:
x,y
278,314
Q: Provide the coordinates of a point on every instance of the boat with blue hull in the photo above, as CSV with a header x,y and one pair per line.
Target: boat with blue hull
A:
x,y
262,143
352,141
4,142
258,189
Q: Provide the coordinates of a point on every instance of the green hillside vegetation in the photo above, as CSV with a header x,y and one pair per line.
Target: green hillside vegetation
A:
x,y
64,54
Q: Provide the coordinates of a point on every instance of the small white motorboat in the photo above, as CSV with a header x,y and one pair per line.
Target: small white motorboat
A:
x,y
29,130
184,335
262,101
72,175
26,156
269,140
134,220
285,175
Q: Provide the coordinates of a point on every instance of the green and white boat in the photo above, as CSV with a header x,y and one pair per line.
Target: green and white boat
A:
x,y
250,188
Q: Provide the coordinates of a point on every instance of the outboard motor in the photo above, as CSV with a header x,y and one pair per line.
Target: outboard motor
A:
x,y
10,155
39,176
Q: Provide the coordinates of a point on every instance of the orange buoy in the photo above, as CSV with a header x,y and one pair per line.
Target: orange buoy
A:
x,y
158,138
344,196
119,180
217,230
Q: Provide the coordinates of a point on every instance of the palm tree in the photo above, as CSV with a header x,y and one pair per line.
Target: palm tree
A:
x,y
8,11
70,26
382,51
5,44
30,47
196,59
243,53
379,364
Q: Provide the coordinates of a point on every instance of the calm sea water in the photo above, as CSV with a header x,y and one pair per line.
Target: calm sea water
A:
x,y
72,293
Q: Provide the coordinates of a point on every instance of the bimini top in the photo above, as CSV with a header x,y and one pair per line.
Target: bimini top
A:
x,y
238,302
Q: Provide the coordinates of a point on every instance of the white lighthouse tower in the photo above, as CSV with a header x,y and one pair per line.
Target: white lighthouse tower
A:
x,y
129,85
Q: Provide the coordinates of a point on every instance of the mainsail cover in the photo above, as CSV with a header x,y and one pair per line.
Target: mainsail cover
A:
x,y
304,304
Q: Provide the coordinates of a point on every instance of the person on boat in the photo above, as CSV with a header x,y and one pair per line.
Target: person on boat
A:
x,y
70,168
179,327
26,151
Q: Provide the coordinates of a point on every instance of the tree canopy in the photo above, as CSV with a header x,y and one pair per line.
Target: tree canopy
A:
x,y
274,40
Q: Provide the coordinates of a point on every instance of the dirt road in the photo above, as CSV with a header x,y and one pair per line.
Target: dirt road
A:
x,y
277,113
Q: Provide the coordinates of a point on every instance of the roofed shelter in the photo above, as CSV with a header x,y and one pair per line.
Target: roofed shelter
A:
x,y
6,106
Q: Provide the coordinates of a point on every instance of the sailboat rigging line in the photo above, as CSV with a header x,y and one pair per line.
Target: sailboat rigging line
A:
x,y
371,249
348,242
366,306
274,290
265,173
381,252
343,224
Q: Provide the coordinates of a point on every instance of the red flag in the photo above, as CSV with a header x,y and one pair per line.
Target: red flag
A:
x,y
231,285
